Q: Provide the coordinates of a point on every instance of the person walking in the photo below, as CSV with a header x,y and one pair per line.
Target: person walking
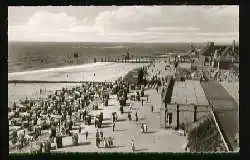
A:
x,y
136,117
152,108
145,128
113,126
142,127
86,134
147,98
104,142
80,129
116,117
97,134
129,116
142,102
131,107
97,142
101,134
97,139
132,145
113,117
95,122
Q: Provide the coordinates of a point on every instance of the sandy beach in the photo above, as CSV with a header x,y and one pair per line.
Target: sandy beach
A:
x,y
99,71
108,71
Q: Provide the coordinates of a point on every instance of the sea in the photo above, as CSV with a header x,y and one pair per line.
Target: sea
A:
x,y
26,57
30,56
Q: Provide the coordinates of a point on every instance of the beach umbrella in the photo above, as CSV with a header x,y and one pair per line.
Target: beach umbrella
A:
x,y
77,93
11,115
70,97
23,114
13,128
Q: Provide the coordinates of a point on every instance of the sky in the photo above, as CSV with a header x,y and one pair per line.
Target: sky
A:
x,y
124,23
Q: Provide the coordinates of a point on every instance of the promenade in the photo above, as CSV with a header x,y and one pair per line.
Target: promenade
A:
x,y
156,140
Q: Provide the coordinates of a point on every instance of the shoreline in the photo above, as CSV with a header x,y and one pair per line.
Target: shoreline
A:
x,y
62,68
23,87
100,72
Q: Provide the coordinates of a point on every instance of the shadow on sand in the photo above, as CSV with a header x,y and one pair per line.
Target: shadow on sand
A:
x,y
141,150
120,130
99,109
156,112
112,147
122,120
79,144
84,133
106,119
127,112
118,146
106,123
143,118
150,132
107,126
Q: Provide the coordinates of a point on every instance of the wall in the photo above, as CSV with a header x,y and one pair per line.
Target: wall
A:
x,y
186,114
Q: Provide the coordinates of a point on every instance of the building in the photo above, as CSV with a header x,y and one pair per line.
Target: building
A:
x,y
227,58
187,105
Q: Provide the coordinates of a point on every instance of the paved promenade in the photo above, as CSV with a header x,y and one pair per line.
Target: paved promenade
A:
x,y
156,140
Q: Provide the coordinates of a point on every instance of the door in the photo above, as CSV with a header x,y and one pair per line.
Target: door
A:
x,y
169,118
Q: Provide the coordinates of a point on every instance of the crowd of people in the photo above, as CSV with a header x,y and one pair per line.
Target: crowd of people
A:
x,y
227,76
44,120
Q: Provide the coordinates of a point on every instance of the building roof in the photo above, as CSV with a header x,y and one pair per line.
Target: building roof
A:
x,y
189,92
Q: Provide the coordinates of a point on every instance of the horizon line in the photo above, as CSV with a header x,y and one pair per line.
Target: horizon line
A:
x,y
237,42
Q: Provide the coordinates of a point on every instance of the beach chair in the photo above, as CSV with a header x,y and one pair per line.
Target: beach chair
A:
x,y
47,146
87,120
59,141
106,102
75,139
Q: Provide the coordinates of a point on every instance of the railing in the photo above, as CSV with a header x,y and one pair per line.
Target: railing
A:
x,y
217,126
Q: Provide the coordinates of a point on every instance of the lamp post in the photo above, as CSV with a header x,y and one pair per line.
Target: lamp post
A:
x,y
178,121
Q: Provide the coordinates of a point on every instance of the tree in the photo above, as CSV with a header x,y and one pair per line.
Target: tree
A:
x,y
128,57
140,76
